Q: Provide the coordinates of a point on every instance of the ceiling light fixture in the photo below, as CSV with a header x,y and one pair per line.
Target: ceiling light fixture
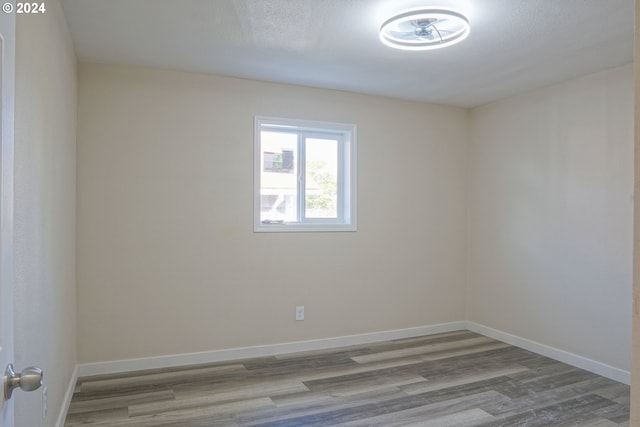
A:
x,y
424,29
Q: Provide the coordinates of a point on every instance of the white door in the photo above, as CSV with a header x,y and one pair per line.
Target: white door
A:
x,y
7,90
30,378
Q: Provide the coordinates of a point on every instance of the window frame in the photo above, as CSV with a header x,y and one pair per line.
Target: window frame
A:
x,y
345,134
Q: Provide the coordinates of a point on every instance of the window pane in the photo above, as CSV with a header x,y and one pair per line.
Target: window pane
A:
x,y
278,177
321,178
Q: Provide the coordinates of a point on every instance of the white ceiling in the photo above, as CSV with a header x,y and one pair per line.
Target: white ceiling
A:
x,y
514,45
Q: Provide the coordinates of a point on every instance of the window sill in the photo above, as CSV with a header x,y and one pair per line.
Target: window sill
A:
x,y
301,228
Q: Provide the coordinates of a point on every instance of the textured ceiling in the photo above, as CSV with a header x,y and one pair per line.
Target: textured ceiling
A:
x,y
514,45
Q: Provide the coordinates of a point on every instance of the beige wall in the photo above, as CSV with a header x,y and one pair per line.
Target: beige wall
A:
x,y
45,194
168,262
551,185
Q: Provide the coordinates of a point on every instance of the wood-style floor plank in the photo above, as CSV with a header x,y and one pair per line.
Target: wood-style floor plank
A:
x,y
459,379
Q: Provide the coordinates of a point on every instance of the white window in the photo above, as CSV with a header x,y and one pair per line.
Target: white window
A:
x,y
304,175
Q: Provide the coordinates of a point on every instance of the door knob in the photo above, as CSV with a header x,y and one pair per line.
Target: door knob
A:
x,y
28,380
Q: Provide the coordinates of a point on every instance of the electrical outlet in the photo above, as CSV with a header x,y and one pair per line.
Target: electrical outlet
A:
x,y
300,312
44,402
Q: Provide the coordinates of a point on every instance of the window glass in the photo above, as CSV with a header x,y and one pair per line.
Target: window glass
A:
x,y
321,178
279,177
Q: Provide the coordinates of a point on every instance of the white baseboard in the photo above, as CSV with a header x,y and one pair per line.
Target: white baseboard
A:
x,y
67,398
572,359
128,365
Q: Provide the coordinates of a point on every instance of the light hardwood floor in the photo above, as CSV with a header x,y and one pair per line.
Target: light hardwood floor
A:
x,y
455,379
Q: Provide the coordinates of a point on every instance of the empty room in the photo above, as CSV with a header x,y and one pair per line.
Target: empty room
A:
x,y
318,212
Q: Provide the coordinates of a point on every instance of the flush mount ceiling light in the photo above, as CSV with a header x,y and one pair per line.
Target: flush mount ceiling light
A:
x,y
424,29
